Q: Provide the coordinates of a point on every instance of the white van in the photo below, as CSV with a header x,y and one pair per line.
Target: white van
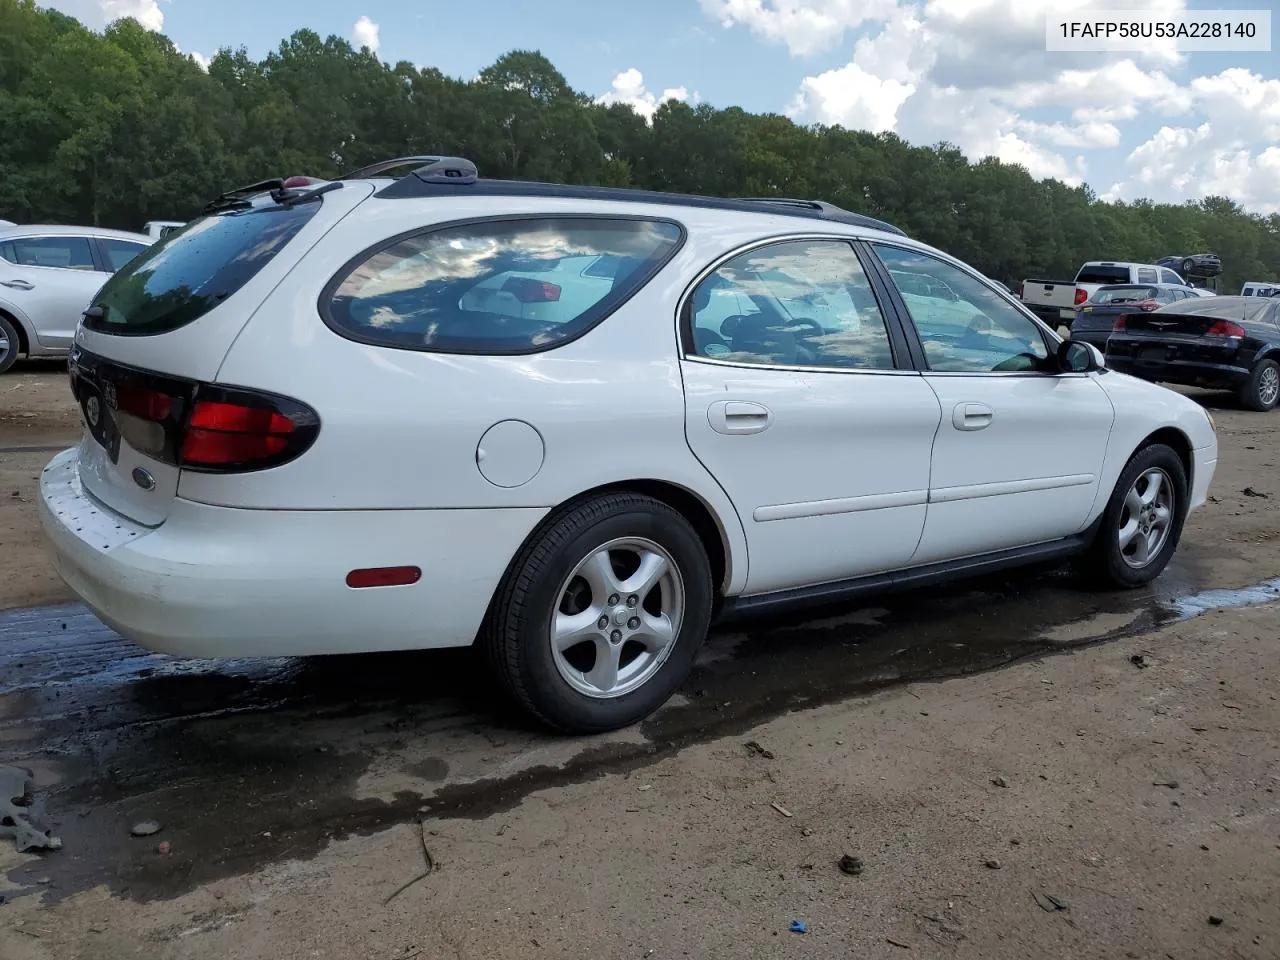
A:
x,y
1261,288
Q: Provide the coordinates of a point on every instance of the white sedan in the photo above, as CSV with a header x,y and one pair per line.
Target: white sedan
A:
x,y
574,425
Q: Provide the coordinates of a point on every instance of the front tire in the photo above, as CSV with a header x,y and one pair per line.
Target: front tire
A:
x,y
1143,521
600,615
1262,390
9,344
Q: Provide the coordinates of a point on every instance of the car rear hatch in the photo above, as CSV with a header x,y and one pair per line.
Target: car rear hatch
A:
x,y
146,355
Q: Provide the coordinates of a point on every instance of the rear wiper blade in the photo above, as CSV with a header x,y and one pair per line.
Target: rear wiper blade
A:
x,y
287,199
238,197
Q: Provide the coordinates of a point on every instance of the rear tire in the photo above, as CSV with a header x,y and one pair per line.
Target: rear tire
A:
x,y
1142,524
601,614
9,344
1262,390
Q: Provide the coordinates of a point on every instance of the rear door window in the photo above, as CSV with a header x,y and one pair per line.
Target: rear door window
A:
x,y
497,286
1146,275
188,273
68,253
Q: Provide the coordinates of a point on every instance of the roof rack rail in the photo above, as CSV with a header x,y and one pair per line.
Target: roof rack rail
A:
x,y
429,169
829,211
429,181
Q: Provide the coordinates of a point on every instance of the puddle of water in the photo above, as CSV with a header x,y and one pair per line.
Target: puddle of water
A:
x,y
1184,608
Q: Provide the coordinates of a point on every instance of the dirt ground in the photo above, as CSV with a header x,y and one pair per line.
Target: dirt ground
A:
x,y
37,418
1078,804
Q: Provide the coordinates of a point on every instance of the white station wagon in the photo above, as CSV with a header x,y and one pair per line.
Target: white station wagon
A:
x,y
572,426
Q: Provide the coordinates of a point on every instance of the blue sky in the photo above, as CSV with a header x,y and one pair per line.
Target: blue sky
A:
x,y
973,72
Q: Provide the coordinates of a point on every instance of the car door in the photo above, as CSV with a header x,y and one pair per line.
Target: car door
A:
x,y
1020,448
816,427
51,279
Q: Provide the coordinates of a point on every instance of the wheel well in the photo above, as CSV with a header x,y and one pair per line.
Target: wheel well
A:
x,y
23,345
1178,442
690,506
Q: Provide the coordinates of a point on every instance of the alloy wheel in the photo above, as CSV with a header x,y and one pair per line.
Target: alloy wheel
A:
x,y
617,618
1146,519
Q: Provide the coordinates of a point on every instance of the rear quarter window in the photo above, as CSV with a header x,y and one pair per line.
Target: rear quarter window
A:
x,y
186,274
507,286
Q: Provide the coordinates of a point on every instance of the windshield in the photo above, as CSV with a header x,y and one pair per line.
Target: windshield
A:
x,y
1124,294
1098,274
187,273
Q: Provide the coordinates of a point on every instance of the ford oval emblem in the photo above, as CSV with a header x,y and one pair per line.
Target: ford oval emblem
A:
x,y
143,479
91,411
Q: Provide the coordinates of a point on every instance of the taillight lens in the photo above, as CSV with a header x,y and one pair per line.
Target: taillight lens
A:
x,y
1119,325
1081,296
232,430
1225,328
1147,305
1022,291
527,290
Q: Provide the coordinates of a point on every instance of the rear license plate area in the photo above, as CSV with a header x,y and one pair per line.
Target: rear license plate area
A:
x,y
97,409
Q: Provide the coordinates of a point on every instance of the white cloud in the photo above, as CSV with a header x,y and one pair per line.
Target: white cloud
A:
x,y
96,14
975,73
628,87
201,60
365,34
805,27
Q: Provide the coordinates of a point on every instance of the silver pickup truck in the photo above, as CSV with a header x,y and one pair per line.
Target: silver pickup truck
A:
x,y
1055,301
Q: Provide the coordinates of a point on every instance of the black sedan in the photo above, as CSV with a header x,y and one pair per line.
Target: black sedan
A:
x,y
1097,315
1230,343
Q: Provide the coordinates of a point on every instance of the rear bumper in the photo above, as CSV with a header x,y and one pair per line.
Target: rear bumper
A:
x,y
1189,373
1054,316
214,582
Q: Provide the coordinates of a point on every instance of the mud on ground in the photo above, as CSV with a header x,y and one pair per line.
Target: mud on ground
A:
x,y
1014,782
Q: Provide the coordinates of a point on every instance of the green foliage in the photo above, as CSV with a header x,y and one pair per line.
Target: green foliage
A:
x,y
117,128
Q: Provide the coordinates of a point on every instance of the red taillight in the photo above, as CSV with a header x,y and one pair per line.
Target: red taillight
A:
x,y
240,430
143,403
1225,328
384,577
1022,291
292,182
1119,325
532,291
1147,305
1081,296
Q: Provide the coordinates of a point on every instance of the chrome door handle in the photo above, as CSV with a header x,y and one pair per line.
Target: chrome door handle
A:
x,y
738,417
972,416
18,284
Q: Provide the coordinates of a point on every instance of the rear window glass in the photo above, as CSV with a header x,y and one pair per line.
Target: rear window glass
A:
x,y
189,272
497,287
1124,294
1097,274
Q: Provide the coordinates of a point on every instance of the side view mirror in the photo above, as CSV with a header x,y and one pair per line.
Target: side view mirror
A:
x,y
1076,356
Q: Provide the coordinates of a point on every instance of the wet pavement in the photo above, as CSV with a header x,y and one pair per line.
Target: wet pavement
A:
x,y
245,763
